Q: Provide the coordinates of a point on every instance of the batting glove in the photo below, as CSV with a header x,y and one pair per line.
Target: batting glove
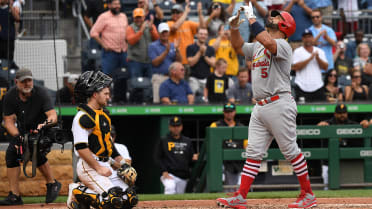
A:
x,y
248,11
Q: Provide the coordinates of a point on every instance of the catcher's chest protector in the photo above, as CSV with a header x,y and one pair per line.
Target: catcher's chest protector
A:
x,y
99,123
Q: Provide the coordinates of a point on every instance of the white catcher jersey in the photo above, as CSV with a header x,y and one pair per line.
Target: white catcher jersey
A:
x,y
270,73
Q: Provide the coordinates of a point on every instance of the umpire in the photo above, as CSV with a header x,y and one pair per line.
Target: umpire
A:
x,y
26,108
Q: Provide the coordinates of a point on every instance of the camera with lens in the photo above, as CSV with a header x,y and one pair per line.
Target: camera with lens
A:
x,y
48,135
216,6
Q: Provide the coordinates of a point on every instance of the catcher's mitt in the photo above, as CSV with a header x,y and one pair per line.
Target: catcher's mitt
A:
x,y
128,174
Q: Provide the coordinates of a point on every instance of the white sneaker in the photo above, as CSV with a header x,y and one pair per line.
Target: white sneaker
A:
x,y
71,197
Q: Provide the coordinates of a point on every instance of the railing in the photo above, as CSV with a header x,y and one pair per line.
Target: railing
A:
x,y
214,154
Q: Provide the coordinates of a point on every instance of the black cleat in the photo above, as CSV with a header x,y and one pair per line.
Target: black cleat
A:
x,y
52,191
12,199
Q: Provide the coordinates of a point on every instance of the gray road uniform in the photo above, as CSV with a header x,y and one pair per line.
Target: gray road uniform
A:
x,y
274,115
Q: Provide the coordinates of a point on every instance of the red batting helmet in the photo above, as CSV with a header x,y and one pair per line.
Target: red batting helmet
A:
x,y
288,25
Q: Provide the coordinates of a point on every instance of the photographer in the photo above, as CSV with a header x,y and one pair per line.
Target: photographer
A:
x,y
29,107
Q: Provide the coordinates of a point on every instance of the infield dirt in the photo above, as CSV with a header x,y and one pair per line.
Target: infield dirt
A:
x,y
339,203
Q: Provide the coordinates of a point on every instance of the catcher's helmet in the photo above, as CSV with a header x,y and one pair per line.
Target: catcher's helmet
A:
x,y
288,25
90,82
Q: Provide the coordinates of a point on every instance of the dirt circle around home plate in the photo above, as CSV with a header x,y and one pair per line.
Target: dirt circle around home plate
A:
x,y
339,203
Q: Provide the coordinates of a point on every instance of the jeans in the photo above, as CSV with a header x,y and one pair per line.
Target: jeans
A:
x,y
112,61
138,69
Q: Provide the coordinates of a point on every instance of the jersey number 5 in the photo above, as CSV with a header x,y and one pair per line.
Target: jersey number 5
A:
x,y
264,73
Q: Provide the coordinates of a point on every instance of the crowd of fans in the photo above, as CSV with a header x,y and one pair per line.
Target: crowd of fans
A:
x,y
140,49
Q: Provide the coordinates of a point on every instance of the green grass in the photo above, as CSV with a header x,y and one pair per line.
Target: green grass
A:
x,y
211,196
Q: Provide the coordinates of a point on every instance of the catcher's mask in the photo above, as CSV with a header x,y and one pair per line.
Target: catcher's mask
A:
x,y
90,82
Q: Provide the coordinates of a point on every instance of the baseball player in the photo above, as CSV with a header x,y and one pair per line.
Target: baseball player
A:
x,y
91,130
274,115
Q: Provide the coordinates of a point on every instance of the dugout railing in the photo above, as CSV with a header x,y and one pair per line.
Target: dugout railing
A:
x,y
209,165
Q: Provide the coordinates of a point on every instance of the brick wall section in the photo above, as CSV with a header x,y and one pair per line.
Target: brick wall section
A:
x,y
61,164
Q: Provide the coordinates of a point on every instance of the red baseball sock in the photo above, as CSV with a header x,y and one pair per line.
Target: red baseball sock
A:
x,y
249,173
300,168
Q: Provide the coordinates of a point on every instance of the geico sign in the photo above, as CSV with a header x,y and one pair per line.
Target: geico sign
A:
x,y
310,132
351,131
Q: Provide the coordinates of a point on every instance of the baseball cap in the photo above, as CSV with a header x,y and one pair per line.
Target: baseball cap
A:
x,y
306,32
175,121
163,27
341,108
177,7
23,74
138,12
72,78
229,107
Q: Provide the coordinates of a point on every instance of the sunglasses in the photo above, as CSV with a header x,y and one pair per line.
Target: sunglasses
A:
x,y
313,17
332,75
356,76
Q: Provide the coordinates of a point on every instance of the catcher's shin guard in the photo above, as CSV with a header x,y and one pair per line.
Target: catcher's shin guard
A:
x,y
113,198
85,199
132,198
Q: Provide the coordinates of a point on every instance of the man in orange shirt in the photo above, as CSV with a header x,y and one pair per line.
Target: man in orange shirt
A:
x,y
182,29
110,31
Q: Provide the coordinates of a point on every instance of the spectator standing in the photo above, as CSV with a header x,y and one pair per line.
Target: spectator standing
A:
x,y
216,16
93,10
308,61
162,54
259,9
351,49
156,14
66,94
332,92
223,48
325,37
110,32
9,15
139,36
241,91
201,58
233,168
325,7
343,64
183,30
217,83
356,91
175,90
26,107
301,12
340,117
174,154
363,63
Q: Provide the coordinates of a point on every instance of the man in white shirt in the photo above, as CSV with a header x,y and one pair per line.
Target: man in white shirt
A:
x,y
308,61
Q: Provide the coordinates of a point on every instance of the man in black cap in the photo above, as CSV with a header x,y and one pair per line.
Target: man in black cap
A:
x,y
30,108
340,118
174,154
233,168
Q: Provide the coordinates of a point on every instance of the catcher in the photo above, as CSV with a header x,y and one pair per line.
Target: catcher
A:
x,y
98,157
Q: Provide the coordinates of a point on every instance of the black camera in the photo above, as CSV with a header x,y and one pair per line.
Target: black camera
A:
x,y
216,6
48,135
